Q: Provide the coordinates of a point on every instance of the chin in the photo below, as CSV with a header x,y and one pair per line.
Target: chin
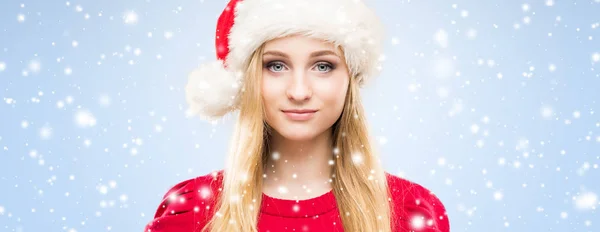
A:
x,y
299,137
299,134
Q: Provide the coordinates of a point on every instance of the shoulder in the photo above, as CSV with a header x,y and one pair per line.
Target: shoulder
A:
x,y
416,207
185,193
187,204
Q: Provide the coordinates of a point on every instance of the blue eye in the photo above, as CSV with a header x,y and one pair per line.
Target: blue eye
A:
x,y
324,67
276,66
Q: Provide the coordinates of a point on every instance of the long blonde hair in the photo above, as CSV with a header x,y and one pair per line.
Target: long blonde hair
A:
x,y
360,190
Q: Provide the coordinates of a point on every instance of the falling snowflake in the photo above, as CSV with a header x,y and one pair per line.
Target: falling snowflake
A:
x,y
130,17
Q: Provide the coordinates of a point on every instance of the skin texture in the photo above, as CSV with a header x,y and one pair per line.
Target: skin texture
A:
x,y
301,73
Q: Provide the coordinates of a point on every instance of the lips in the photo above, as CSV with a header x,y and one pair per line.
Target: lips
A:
x,y
299,111
299,114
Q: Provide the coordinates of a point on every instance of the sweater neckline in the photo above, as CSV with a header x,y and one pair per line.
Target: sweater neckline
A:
x,y
298,208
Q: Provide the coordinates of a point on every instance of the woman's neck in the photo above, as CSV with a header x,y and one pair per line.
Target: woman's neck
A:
x,y
299,169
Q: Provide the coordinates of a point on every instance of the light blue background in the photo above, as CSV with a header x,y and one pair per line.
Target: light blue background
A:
x,y
519,170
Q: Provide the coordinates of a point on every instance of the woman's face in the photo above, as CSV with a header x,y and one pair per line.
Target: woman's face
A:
x,y
303,87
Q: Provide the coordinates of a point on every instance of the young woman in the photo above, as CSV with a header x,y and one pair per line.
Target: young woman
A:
x,y
301,158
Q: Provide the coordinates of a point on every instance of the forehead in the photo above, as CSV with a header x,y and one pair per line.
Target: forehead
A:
x,y
301,45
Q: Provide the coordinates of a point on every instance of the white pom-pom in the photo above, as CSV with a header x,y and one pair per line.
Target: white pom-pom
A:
x,y
212,91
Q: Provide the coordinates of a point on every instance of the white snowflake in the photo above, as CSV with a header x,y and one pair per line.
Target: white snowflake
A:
x,y
130,17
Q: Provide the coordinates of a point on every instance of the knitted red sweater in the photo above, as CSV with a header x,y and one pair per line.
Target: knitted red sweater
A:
x,y
187,206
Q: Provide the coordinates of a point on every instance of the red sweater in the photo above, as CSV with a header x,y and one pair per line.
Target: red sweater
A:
x,y
187,206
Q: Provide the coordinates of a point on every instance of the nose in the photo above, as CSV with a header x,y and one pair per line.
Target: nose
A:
x,y
299,88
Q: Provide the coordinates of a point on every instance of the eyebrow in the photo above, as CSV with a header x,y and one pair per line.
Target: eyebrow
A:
x,y
314,54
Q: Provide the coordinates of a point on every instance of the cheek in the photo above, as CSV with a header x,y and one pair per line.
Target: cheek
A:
x,y
271,94
333,92
267,91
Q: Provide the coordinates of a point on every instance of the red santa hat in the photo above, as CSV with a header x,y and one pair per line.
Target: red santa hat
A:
x,y
213,89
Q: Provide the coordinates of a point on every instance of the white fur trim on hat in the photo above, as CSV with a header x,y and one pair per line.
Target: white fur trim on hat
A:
x,y
211,91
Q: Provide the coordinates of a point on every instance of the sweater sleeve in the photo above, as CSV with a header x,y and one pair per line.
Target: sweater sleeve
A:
x,y
417,209
176,210
188,205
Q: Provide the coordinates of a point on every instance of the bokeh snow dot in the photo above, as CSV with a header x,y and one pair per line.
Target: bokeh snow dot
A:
x,y
586,201
130,17
85,119
596,57
21,18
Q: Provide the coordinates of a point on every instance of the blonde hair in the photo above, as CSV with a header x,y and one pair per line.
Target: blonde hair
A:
x,y
360,190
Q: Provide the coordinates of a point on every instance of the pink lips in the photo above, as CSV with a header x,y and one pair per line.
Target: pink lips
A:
x,y
299,115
